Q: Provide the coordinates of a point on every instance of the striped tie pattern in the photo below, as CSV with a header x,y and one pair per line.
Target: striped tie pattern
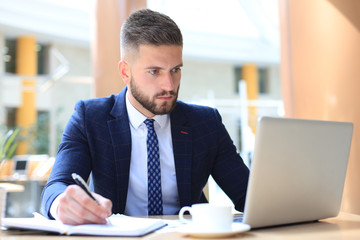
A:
x,y
154,177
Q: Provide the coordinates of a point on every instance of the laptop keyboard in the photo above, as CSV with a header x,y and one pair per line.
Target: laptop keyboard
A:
x,y
238,218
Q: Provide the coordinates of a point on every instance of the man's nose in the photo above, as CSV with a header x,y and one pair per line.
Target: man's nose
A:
x,y
167,83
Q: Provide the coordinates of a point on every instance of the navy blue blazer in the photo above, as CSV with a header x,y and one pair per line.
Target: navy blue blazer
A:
x,y
97,141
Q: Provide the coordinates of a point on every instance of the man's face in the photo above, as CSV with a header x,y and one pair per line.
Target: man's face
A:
x,y
154,81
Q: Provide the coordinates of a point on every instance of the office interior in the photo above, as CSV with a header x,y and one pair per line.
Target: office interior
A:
x,y
283,58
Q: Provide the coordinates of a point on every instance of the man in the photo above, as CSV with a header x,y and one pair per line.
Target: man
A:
x,y
110,138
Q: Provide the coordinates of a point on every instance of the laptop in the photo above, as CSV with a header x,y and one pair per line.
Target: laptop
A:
x,y
298,171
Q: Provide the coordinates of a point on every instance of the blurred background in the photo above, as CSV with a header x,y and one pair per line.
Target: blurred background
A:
x,y
247,58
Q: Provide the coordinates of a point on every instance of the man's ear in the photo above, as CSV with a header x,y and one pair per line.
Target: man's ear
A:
x,y
124,70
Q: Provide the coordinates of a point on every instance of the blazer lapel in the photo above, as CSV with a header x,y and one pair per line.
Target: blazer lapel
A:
x,y
121,140
182,146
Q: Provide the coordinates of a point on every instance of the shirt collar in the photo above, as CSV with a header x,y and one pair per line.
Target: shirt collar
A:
x,y
136,118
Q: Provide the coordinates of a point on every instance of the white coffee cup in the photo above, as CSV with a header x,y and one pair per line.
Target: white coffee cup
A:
x,y
209,217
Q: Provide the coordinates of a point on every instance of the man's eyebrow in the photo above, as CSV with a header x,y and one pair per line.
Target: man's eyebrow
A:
x,y
153,67
157,67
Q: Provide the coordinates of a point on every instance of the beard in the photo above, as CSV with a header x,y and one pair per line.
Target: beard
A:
x,y
149,103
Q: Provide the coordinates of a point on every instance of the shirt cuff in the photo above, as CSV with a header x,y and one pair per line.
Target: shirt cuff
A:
x,y
53,208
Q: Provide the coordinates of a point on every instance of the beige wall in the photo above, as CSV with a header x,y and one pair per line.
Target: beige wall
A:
x,y
201,79
79,59
320,43
109,16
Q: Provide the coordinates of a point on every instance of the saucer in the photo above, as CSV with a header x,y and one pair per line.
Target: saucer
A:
x,y
193,232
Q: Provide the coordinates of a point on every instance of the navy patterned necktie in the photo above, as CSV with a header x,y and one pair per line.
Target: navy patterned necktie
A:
x,y
154,178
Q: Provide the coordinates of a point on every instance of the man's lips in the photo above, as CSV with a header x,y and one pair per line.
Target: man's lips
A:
x,y
166,98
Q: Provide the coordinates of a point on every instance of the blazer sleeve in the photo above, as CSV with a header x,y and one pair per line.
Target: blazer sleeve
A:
x,y
229,170
73,156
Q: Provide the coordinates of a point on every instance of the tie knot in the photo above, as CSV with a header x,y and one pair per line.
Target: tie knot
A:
x,y
149,124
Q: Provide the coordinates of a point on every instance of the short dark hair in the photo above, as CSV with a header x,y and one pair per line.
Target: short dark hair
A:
x,y
149,28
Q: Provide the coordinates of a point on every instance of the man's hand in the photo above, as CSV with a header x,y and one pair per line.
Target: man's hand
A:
x,y
76,207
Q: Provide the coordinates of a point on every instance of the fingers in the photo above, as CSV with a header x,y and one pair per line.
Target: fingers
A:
x,y
76,207
105,203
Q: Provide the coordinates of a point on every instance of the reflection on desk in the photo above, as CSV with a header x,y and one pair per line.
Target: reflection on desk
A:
x,y
345,226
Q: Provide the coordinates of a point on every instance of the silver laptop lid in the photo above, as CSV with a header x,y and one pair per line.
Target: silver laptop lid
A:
x,y
298,171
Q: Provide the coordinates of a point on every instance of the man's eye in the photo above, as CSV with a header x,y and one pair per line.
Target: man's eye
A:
x,y
154,72
175,70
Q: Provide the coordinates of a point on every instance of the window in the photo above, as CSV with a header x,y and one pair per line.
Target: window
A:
x,y
263,79
42,56
11,117
238,77
263,75
10,57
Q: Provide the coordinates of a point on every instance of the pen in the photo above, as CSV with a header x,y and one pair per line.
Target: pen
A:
x,y
81,183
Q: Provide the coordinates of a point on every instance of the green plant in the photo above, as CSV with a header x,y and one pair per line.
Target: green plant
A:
x,y
8,144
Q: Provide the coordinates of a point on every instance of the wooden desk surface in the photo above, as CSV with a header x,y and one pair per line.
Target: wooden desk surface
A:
x,y
346,226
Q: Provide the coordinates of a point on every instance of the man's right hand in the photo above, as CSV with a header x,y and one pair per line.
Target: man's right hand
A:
x,y
76,207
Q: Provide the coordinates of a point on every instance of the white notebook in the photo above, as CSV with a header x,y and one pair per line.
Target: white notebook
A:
x,y
119,225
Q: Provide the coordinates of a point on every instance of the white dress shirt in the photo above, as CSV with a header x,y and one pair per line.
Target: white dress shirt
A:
x,y
137,198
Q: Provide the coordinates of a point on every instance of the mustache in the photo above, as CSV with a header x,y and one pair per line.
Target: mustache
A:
x,y
165,93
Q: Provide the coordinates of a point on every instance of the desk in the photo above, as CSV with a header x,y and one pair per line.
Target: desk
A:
x,y
345,226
